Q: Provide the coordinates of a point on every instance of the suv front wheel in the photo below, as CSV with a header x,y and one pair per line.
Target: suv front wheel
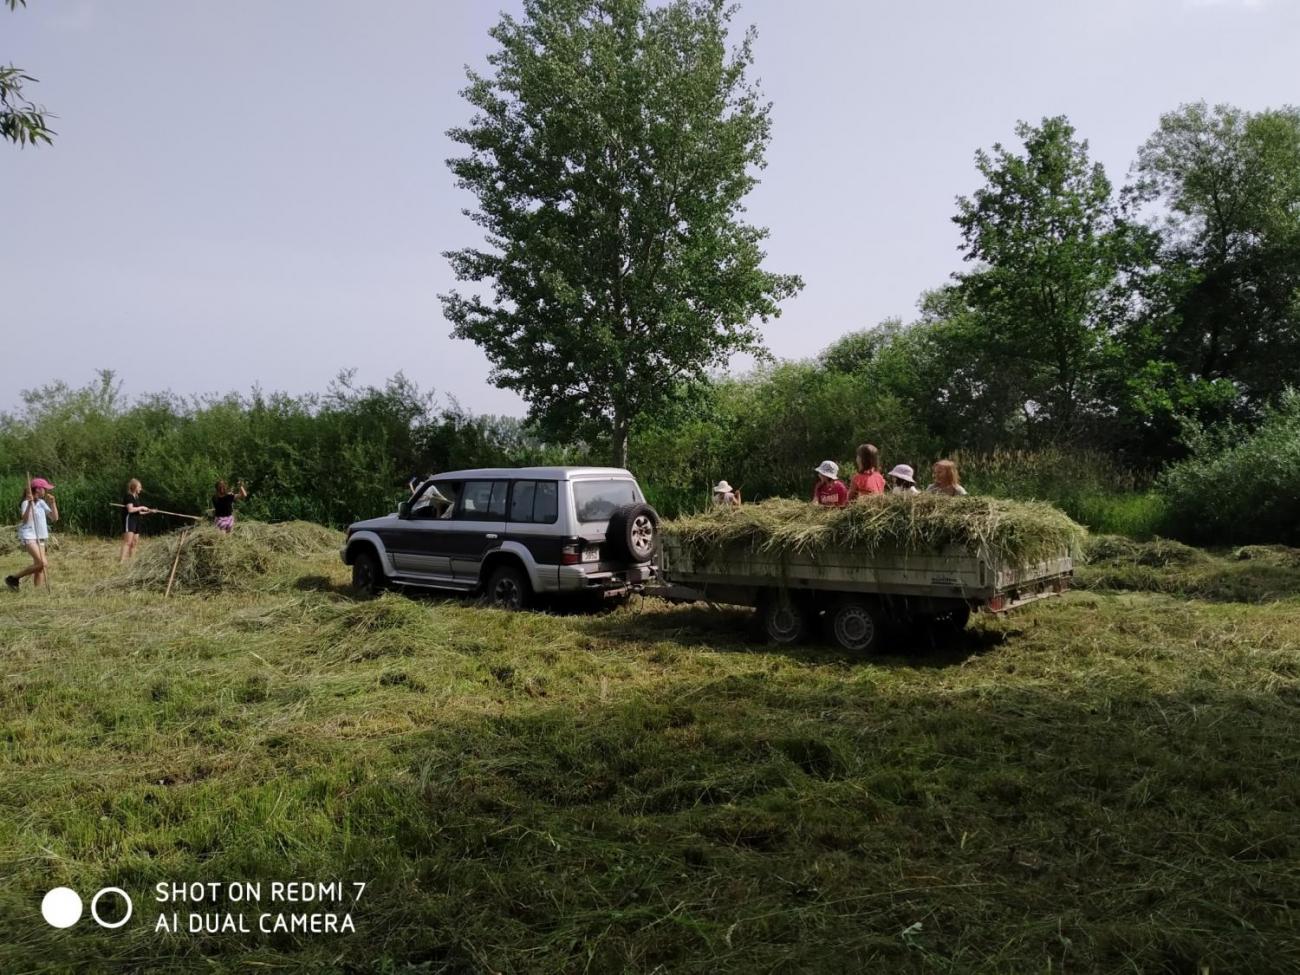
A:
x,y
368,577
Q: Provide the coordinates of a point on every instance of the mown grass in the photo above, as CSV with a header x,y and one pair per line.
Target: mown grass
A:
x,y
1103,784
1250,574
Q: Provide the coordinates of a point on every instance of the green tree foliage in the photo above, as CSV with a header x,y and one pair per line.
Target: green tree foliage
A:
x,y
1228,316
766,431
331,458
21,120
610,154
1049,245
1240,485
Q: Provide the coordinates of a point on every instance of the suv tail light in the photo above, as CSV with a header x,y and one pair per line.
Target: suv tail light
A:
x,y
571,553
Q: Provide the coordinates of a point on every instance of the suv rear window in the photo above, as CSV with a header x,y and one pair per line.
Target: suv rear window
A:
x,y
597,500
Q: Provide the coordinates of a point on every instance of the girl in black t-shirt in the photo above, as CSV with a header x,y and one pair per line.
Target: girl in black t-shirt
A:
x,y
223,506
134,518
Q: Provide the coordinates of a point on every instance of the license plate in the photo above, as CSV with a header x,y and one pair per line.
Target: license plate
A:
x,y
591,555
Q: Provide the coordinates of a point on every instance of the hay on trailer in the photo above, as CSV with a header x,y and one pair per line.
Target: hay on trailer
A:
x,y
211,560
1017,531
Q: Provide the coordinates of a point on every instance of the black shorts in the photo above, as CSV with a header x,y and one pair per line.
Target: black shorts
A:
x,y
133,523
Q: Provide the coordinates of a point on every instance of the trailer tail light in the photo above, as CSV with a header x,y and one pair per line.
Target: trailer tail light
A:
x,y
997,604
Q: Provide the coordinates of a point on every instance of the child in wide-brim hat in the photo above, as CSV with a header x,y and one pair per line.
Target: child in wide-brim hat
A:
x,y
725,495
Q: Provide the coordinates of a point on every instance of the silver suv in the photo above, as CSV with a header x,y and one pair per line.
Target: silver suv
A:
x,y
512,533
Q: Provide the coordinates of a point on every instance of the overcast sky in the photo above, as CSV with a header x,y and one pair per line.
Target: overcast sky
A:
x,y
254,192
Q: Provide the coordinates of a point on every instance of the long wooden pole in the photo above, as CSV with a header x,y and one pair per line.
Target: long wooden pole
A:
x,y
159,511
175,562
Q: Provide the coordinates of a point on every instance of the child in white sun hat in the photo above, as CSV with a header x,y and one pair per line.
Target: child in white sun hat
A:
x,y
902,480
725,496
829,490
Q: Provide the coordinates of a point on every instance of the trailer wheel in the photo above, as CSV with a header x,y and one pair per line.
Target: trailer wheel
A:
x,y
784,621
855,626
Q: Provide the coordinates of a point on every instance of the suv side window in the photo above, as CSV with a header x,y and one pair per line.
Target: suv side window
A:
x,y
483,500
534,502
546,506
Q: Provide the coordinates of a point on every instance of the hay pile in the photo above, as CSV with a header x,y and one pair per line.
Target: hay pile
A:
x,y
1016,531
1160,553
211,560
1283,556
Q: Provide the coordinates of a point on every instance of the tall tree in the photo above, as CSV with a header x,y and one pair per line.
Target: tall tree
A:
x,y
21,120
610,154
1229,183
1048,242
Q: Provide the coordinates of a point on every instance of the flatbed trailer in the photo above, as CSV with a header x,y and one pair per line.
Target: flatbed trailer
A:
x,y
855,594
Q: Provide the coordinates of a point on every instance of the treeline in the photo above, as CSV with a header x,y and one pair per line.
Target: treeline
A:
x,y
1126,353
327,458
1111,319
346,454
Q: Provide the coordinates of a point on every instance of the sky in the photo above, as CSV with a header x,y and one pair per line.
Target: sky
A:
x,y
255,194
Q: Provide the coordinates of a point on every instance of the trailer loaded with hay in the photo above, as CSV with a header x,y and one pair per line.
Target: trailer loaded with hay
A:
x,y
891,559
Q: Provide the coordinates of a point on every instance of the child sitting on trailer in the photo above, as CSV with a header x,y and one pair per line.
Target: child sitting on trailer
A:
x,y
829,490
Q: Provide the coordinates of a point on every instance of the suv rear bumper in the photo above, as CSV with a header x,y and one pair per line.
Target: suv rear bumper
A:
x,y
610,582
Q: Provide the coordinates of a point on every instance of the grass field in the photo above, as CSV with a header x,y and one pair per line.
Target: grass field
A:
x,y
1108,783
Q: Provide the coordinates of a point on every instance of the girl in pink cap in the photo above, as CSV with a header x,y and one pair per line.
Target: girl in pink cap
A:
x,y
38,509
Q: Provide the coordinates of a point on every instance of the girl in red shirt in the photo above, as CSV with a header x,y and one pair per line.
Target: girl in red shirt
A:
x,y
868,479
829,490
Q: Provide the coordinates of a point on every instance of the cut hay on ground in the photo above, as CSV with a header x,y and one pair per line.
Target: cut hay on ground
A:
x,y
211,560
1251,574
1016,531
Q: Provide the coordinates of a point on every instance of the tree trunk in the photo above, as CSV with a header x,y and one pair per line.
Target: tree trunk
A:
x,y
618,439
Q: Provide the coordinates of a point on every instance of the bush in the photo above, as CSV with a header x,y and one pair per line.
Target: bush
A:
x,y
765,433
1239,487
328,459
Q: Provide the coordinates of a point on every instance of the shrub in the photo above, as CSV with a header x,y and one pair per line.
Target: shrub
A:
x,y
1239,487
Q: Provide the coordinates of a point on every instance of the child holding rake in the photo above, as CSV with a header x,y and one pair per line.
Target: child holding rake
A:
x,y
38,509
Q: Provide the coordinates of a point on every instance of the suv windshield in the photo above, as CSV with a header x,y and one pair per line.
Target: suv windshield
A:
x,y
597,500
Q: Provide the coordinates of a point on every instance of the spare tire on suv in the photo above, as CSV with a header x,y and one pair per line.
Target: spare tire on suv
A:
x,y
633,534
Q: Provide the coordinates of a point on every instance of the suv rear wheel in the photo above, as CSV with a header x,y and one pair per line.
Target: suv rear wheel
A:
x,y
633,533
508,588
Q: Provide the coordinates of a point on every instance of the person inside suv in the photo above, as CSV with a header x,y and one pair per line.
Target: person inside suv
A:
x,y
432,504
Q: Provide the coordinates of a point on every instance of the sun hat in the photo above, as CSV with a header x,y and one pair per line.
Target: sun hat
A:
x,y
722,487
904,473
828,468
40,482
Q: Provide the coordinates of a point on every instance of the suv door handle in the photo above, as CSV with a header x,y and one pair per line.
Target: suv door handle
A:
x,y
491,535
